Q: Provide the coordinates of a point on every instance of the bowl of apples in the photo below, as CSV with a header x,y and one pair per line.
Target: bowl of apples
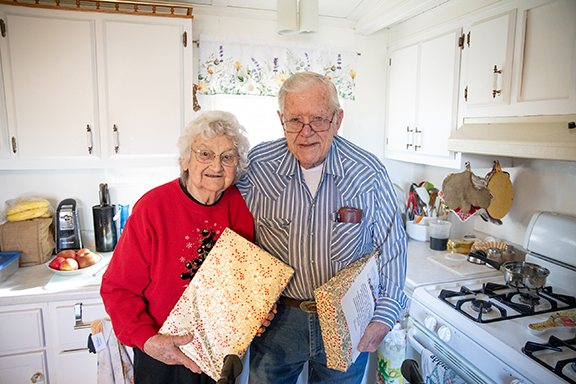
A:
x,y
70,262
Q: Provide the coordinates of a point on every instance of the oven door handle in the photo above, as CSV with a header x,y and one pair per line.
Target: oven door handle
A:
x,y
413,342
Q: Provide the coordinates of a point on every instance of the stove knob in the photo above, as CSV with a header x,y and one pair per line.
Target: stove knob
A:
x,y
430,322
444,333
517,381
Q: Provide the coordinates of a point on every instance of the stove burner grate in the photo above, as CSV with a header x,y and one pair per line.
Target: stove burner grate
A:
x,y
542,301
554,344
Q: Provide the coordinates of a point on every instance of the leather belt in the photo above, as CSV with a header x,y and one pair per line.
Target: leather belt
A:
x,y
308,306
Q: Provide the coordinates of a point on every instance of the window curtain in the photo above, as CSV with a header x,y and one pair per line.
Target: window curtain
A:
x,y
229,65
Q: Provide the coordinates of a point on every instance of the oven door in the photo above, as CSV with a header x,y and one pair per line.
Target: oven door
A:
x,y
421,339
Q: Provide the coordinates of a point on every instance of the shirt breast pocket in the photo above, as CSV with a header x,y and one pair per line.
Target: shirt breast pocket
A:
x,y
346,241
274,236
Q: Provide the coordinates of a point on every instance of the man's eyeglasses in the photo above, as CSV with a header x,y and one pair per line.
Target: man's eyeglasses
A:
x,y
317,124
206,156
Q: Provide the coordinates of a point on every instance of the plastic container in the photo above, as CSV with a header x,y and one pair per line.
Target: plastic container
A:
x,y
439,233
8,264
391,354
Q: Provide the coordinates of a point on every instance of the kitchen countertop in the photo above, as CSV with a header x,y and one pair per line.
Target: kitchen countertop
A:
x,y
39,284
426,266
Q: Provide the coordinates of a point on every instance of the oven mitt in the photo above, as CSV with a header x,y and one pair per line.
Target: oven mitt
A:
x,y
465,191
559,321
502,191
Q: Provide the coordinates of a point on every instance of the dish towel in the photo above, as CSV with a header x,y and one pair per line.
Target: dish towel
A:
x,y
114,364
435,371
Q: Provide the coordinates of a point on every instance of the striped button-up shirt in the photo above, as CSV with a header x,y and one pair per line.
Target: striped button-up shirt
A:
x,y
303,230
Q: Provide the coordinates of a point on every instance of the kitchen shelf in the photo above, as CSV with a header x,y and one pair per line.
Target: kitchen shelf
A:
x,y
127,7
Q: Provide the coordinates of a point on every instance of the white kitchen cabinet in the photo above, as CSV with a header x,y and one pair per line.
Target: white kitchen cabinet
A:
x,y
90,90
488,50
521,60
422,100
22,344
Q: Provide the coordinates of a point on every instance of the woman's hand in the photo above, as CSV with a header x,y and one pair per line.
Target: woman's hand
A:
x,y
266,321
165,348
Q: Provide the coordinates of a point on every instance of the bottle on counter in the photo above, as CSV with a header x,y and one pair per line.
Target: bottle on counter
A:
x,y
508,254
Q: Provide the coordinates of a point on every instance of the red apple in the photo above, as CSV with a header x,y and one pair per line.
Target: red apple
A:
x,y
67,254
82,251
87,259
69,265
55,264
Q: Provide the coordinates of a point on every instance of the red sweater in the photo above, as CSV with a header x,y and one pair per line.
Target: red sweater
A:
x,y
165,230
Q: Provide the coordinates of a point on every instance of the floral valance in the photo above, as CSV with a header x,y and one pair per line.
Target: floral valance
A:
x,y
228,65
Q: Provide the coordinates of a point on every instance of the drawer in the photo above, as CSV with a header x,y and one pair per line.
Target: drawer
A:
x,y
24,368
73,335
21,331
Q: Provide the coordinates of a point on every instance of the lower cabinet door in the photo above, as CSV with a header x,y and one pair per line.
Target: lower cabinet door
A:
x,y
75,367
24,368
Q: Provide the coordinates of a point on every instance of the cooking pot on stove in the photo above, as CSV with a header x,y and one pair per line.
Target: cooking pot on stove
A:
x,y
518,274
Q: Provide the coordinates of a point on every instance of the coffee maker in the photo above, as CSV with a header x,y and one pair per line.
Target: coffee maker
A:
x,y
67,226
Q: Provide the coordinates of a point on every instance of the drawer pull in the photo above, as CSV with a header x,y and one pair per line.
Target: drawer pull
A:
x,y
37,377
79,323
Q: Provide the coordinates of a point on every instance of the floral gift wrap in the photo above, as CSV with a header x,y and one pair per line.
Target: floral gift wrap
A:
x,y
223,305
345,306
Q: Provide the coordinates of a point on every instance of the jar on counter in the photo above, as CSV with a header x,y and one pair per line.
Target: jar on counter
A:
x,y
494,254
508,254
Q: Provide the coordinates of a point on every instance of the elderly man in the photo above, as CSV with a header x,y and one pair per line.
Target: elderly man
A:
x,y
294,188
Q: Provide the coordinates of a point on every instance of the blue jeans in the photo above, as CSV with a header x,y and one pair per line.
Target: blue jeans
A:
x,y
294,337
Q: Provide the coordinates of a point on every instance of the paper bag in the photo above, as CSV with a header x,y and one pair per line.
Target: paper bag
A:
x,y
223,305
345,306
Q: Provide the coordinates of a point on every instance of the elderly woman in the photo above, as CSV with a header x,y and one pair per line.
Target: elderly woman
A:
x,y
170,231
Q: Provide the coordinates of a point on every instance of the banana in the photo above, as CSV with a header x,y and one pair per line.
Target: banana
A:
x,y
27,205
28,214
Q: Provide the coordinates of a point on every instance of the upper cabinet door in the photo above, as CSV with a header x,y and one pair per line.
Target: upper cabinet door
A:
x,y
147,99
402,80
51,85
488,52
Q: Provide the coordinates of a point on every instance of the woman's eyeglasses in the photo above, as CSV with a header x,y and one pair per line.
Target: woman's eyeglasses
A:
x,y
206,156
317,124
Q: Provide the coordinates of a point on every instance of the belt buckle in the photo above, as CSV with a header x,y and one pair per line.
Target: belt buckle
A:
x,y
308,306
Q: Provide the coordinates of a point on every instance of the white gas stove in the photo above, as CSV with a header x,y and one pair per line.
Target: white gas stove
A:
x,y
480,327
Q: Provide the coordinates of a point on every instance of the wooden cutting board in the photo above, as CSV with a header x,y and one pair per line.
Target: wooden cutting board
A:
x,y
459,264
502,191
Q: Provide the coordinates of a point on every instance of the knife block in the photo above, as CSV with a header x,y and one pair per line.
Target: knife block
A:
x,y
105,232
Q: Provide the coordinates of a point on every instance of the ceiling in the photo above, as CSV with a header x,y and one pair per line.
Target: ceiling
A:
x,y
366,16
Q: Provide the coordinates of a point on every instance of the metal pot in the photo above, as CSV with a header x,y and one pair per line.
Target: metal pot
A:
x,y
473,257
518,274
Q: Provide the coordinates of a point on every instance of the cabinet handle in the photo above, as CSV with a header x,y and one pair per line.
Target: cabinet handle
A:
x,y
38,376
409,137
417,139
495,90
89,138
116,140
13,144
79,323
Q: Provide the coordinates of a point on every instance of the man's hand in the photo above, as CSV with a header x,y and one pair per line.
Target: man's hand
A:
x,y
165,349
373,336
266,321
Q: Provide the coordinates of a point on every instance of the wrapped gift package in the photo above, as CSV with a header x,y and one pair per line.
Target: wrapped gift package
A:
x,y
224,304
340,335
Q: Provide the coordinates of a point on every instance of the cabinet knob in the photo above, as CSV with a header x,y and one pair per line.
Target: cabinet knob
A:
x,y
37,377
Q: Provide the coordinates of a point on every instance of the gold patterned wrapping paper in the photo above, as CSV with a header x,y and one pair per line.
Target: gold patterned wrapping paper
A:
x,y
223,305
335,328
